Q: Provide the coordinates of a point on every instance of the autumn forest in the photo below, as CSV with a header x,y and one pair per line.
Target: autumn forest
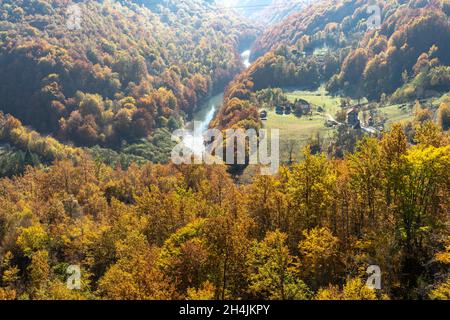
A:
x,y
91,92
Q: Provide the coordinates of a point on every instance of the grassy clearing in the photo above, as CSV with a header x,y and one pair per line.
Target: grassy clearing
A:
x,y
292,127
316,98
320,97
299,130
396,114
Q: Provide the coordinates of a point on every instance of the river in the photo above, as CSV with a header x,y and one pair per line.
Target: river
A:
x,y
195,129
245,56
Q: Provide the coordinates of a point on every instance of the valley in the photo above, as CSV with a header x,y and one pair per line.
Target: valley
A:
x,y
194,137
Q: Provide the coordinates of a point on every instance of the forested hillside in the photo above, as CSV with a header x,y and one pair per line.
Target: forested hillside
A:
x,y
265,12
329,43
413,39
125,71
322,21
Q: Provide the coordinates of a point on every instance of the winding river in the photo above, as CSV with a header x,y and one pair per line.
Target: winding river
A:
x,y
195,129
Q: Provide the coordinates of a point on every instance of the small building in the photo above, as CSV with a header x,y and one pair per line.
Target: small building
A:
x,y
263,115
279,110
302,107
288,110
320,109
352,117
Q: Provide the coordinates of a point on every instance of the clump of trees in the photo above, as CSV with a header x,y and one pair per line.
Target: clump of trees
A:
x,y
402,56
21,147
14,133
444,114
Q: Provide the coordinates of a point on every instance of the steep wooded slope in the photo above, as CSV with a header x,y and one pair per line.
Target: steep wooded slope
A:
x,y
119,71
